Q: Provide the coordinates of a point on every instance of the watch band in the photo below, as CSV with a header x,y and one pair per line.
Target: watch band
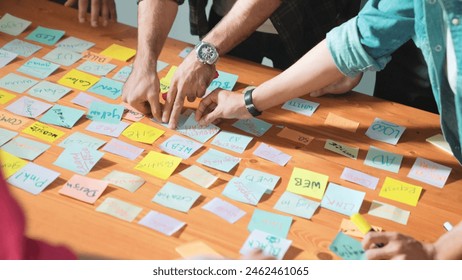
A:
x,y
249,103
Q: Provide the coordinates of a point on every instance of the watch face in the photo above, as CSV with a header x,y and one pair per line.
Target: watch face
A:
x,y
207,53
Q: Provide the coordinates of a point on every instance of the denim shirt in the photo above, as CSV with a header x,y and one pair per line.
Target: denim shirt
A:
x,y
367,41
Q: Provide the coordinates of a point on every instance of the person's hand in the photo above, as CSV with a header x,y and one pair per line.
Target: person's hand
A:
x,y
396,247
344,85
221,104
142,90
190,80
106,8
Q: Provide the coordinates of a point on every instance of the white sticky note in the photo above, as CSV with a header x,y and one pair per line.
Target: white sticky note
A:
x,y
224,210
161,223
429,172
359,178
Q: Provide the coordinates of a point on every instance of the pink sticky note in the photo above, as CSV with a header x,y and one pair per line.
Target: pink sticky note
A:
x,y
272,154
83,188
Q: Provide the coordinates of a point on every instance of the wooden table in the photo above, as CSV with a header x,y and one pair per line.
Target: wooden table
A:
x,y
64,220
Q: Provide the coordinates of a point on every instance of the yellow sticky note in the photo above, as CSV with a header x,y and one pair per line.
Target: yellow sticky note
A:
x,y
348,227
143,133
119,52
165,81
196,248
78,80
10,164
5,96
400,191
306,182
158,164
44,132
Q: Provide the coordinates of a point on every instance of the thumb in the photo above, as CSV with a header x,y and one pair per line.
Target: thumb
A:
x,y
318,93
209,118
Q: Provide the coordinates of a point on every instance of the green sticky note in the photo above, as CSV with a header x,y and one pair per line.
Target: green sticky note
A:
x,y
13,25
347,247
176,197
272,223
45,36
296,205
38,68
105,112
62,116
383,160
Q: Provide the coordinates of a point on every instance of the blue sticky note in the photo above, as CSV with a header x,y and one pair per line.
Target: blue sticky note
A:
x,y
33,178
296,205
253,126
6,135
107,87
13,25
21,48
123,73
385,131
96,68
265,179
48,91
63,56
243,191
161,65
176,197
232,141
347,247
342,200
83,140
45,36
218,160
272,223
16,83
62,116
78,159
38,68
383,160
193,129
225,81
105,112
75,44
25,148
301,106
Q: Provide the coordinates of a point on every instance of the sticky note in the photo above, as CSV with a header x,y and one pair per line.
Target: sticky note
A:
x,y
296,205
196,248
224,81
347,247
6,57
43,132
301,106
85,100
359,178
107,87
95,57
119,209
176,197
199,176
119,52
16,83
45,35
272,154
218,160
62,116
224,210
96,68
123,74
78,80
429,172
124,180
140,132
383,160
48,91
63,56
165,81
232,141
28,107
158,164
161,223
6,135
439,141
13,25
400,191
6,97
342,200
349,228
389,212
21,48
105,112
25,148
193,129
10,164
113,130
78,159
122,149
275,224
180,146
295,136
341,149
306,182
12,121
269,244
33,178
267,180
83,188
82,139
243,191
385,131
341,122
38,68
131,113
253,126
75,44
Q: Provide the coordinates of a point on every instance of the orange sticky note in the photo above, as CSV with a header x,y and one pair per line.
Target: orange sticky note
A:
x,y
400,191
119,52
196,248
143,133
341,122
6,96
44,132
95,57
10,164
83,188
306,182
158,164
78,80
12,121
295,136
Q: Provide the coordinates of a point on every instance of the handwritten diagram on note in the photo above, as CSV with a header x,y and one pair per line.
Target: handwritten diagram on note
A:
x,y
176,197
224,210
232,141
275,224
105,112
107,87
199,176
124,180
296,205
162,223
140,132
33,178
84,188
180,146
45,35
269,244
218,160
267,180
253,126
62,116
119,209
347,247
48,91
75,44
16,83
78,80
400,191
25,148
28,107
429,172
158,164
272,154
383,160
21,48
385,131
38,68
78,159
301,106
243,191
306,182
44,132
12,25
342,200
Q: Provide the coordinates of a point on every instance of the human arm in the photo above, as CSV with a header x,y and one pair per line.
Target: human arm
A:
x,y
107,8
155,19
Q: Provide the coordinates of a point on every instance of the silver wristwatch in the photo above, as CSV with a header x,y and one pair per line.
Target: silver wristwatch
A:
x,y
206,53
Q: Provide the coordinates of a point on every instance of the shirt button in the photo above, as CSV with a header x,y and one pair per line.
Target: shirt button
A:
x,y
455,21
438,48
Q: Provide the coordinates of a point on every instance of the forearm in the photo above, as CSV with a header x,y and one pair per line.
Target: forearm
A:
x,y
243,19
449,245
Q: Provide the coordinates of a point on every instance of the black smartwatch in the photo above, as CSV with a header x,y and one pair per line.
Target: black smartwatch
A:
x,y
249,103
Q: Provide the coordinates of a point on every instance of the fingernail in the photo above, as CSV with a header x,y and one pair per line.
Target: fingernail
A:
x,y
164,96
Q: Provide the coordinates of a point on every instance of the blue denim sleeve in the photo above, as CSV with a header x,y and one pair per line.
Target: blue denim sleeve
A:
x,y
367,41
